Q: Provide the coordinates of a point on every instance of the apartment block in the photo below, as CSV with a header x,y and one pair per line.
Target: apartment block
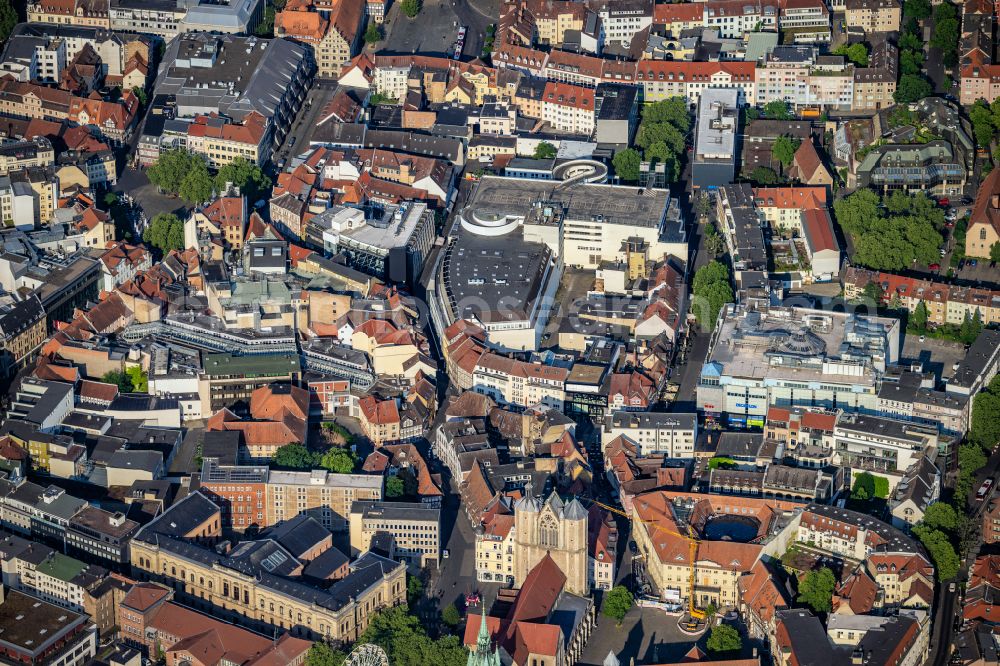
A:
x,y
326,496
874,15
569,108
415,530
519,383
875,85
803,78
662,79
673,435
882,446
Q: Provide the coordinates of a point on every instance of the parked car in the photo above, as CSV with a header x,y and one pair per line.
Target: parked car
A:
x,y
935,267
944,201
972,262
633,547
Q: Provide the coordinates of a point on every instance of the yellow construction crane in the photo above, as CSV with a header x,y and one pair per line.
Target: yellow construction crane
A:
x,y
693,541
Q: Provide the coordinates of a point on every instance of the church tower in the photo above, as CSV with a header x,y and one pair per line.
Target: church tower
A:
x,y
557,528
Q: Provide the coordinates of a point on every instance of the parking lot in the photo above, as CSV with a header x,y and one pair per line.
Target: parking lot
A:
x,y
984,274
937,356
573,284
435,29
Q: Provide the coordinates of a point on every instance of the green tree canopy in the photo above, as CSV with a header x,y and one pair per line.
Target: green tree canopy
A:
x,y
394,487
995,252
664,133
658,152
703,204
410,7
911,62
890,243
918,9
414,589
941,516
407,644
254,184
911,88
711,291
294,456
8,19
856,53
942,552
673,110
763,175
864,487
777,110
919,317
971,457
910,42
138,378
724,638
984,427
784,150
544,151
626,163
971,327
714,243
119,379
165,232
266,26
372,34
197,186
816,590
451,616
171,168
339,460
618,602
321,654
947,29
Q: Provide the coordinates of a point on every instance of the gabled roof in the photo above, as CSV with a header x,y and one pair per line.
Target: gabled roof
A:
x,y
807,160
538,594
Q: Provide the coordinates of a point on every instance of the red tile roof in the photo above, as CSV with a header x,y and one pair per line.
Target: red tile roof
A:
x,y
567,94
535,639
818,228
227,212
97,391
803,198
807,160
143,596
538,594
680,12
382,412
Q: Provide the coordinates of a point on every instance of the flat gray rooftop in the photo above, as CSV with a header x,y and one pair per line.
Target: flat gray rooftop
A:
x,y
615,204
494,278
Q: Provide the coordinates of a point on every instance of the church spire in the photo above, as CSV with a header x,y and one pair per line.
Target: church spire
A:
x,y
483,655
483,642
